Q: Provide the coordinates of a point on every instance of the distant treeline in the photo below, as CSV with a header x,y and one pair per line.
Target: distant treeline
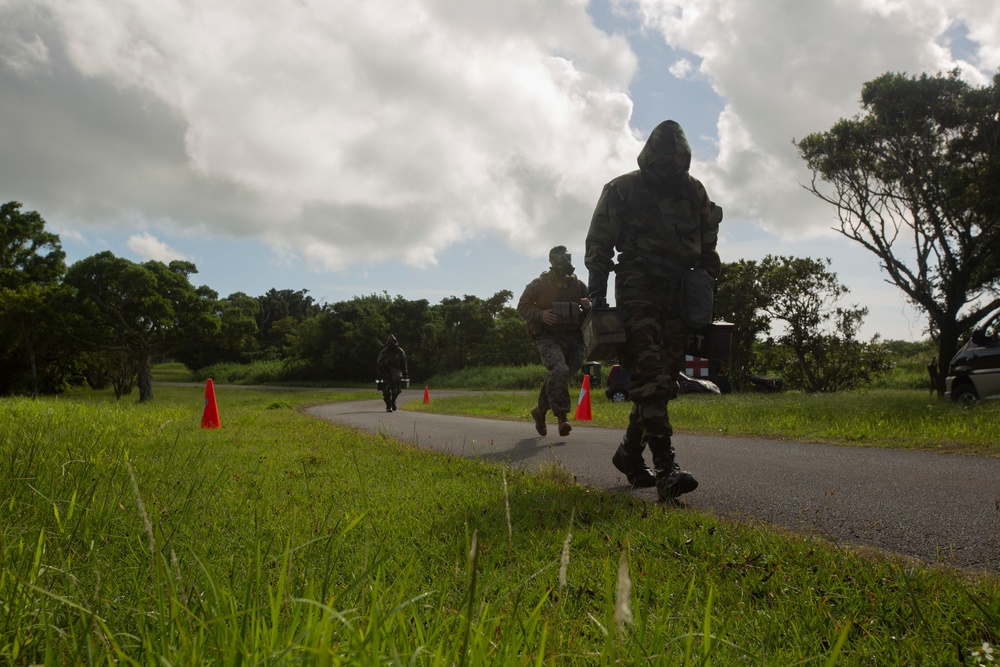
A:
x,y
105,319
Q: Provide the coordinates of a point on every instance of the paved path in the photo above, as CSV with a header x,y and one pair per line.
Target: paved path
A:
x,y
937,507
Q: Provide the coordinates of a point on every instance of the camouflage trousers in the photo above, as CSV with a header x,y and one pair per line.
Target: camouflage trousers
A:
x,y
653,353
393,385
562,356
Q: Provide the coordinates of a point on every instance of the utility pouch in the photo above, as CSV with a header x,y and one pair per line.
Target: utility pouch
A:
x,y
567,315
697,298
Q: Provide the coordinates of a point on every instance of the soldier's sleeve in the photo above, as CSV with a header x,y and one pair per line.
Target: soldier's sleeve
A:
x,y
380,366
526,304
605,227
406,370
711,218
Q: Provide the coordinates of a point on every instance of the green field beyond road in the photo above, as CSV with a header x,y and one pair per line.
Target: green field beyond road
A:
x,y
877,418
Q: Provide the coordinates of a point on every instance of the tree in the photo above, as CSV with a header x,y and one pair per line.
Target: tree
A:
x,y
238,334
232,340
32,302
37,321
913,179
741,299
820,336
279,314
467,326
138,311
816,347
509,344
343,340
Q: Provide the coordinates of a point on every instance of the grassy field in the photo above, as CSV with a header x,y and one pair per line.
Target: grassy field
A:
x,y
129,535
173,372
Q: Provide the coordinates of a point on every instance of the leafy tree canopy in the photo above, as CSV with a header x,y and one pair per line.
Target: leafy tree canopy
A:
x,y
28,253
140,310
33,306
913,179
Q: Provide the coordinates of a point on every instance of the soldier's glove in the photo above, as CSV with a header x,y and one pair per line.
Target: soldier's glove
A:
x,y
597,289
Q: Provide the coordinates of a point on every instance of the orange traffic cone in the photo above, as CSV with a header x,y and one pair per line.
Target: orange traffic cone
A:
x,y
583,405
210,417
427,396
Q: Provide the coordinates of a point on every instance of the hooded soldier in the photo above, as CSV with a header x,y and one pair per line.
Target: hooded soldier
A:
x,y
552,307
390,371
662,223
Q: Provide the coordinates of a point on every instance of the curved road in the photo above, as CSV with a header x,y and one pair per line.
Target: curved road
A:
x,y
941,508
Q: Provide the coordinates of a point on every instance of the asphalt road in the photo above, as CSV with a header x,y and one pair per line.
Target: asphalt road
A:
x,y
940,508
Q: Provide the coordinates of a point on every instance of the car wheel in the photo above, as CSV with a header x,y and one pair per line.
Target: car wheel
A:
x,y
618,396
965,395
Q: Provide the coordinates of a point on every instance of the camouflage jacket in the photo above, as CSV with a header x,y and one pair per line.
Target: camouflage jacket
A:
x,y
542,293
390,362
659,219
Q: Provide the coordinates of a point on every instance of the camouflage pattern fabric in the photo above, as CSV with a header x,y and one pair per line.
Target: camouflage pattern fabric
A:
x,y
655,340
560,346
658,220
391,367
538,296
562,354
661,222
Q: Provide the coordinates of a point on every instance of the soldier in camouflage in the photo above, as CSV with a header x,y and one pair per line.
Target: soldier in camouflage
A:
x,y
662,223
390,369
551,307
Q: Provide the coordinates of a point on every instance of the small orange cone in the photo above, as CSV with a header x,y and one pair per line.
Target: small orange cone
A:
x,y
210,417
427,396
583,405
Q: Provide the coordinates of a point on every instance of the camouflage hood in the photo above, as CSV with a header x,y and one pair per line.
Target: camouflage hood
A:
x,y
667,151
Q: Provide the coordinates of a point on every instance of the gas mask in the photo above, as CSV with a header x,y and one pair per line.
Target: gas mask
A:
x,y
562,264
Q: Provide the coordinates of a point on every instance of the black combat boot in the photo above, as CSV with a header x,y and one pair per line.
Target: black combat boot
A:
x,y
538,414
388,405
671,481
564,427
629,462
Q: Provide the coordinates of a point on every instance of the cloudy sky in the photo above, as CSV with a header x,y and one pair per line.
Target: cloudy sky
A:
x,y
431,148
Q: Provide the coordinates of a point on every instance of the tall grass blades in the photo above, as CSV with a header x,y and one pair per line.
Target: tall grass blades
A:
x,y
131,536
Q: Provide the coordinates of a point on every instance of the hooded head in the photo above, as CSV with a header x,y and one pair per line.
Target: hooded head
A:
x,y
667,153
391,341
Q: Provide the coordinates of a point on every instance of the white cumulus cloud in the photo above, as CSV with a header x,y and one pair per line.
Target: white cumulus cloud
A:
x,y
377,130
149,247
788,68
347,133
682,68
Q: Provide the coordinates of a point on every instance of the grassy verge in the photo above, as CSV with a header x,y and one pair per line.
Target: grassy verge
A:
x,y
173,372
877,418
131,536
492,378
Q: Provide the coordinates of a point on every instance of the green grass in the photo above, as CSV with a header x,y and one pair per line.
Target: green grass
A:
x,y
270,373
173,372
129,535
904,419
492,378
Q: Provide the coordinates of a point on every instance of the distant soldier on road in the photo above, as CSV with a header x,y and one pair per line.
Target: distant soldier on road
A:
x,y
551,307
665,229
390,370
